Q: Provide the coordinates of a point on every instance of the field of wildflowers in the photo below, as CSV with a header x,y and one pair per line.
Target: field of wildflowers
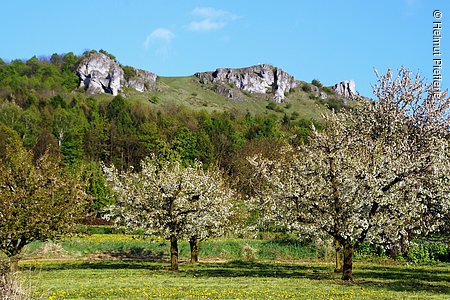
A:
x,y
116,266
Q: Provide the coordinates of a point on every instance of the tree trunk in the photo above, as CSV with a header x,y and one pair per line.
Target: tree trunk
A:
x,y
14,264
174,253
347,271
393,251
338,257
193,243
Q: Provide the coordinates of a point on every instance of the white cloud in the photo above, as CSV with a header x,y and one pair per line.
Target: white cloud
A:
x,y
160,36
160,39
211,19
205,25
209,12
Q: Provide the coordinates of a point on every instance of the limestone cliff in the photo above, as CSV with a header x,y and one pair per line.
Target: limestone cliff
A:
x,y
100,73
345,88
259,79
142,80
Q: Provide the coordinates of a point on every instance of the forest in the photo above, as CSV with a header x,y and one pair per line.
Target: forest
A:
x,y
38,102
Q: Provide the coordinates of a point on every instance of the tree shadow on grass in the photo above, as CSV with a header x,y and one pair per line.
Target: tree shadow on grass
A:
x,y
261,269
403,278
135,253
95,265
132,258
399,279
405,272
394,278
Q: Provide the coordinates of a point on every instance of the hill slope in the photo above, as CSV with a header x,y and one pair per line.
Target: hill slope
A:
x,y
243,89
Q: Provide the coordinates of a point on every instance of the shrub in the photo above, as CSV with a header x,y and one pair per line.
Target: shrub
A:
x,y
249,253
368,249
271,105
154,99
328,90
294,115
108,54
425,251
332,103
306,88
128,72
248,94
279,109
316,83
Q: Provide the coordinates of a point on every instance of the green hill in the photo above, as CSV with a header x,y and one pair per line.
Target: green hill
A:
x,y
189,92
173,117
29,81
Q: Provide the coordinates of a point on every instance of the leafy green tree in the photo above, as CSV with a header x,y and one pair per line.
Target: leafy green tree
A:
x,y
96,139
205,148
97,188
69,126
57,60
69,62
185,143
37,201
156,144
58,101
46,143
33,65
118,112
125,147
150,136
10,115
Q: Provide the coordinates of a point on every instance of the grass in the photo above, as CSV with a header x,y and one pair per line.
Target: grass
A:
x,y
117,266
97,279
129,247
188,92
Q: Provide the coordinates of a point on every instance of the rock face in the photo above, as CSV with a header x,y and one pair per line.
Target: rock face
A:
x,y
259,79
317,93
142,81
345,88
323,95
99,74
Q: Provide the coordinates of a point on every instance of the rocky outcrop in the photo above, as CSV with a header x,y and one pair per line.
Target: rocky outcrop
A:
x,y
261,79
142,81
345,88
317,93
100,73
229,92
323,95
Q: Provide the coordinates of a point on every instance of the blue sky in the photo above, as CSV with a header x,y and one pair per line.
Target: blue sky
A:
x,y
326,40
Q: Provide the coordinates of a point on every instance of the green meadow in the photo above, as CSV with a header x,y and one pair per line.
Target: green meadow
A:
x,y
117,266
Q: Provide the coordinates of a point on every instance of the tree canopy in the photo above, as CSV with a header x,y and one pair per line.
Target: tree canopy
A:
x,y
171,200
38,201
